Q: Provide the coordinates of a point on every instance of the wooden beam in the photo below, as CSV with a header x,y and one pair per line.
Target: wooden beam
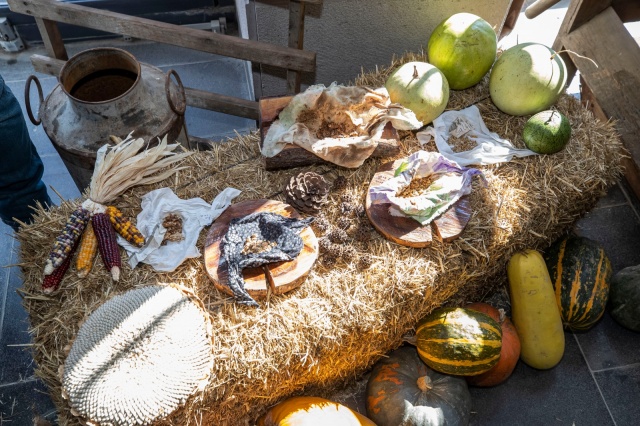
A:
x,y
52,39
627,10
195,98
615,81
147,29
296,41
222,103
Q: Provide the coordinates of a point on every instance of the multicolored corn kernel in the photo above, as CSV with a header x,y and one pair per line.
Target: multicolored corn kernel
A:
x,y
67,239
107,243
87,252
52,281
125,227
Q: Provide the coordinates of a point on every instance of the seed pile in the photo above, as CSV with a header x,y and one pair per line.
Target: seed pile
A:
x,y
173,224
417,187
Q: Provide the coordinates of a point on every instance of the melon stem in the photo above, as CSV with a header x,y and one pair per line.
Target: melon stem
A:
x,y
424,383
415,71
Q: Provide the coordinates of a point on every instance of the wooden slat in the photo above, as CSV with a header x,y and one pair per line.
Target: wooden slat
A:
x,y
578,12
255,51
296,41
627,10
195,98
52,39
615,83
222,103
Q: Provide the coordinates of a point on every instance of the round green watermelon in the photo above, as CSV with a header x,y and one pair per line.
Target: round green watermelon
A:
x,y
547,132
463,47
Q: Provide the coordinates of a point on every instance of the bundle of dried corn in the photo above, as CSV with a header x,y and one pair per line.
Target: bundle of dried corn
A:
x,y
117,169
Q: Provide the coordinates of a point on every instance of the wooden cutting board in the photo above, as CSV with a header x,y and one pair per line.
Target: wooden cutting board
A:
x,y
285,275
407,231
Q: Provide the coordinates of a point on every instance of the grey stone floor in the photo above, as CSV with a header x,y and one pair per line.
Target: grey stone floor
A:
x,y
597,382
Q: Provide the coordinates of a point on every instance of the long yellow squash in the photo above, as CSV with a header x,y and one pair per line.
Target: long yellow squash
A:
x,y
534,310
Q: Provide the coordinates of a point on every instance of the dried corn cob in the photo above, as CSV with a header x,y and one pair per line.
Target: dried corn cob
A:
x,y
107,243
87,253
125,227
52,281
66,241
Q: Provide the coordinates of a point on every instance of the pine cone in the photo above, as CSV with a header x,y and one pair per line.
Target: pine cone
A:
x,y
339,183
307,192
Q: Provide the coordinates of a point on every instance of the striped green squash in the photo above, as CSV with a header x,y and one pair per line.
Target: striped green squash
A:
x,y
459,341
580,272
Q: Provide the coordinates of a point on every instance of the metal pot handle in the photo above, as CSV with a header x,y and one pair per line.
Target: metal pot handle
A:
x,y
167,88
27,100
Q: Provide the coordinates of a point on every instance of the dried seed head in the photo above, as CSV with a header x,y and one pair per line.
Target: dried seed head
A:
x,y
347,198
335,250
324,243
362,234
321,225
346,208
360,211
338,236
344,223
339,183
365,261
349,253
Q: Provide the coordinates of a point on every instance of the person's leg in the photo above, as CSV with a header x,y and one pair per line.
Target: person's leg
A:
x,y
20,165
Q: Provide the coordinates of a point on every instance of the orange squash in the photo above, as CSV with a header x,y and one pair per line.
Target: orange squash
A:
x,y
509,354
312,411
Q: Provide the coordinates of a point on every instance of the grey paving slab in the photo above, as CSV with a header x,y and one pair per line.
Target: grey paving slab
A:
x,y
618,230
608,345
615,196
621,390
564,395
15,338
21,402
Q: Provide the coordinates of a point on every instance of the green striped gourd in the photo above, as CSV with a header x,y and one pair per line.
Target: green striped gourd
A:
x,y
459,341
580,272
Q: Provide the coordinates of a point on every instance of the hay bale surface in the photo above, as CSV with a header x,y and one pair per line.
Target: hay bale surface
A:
x,y
332,329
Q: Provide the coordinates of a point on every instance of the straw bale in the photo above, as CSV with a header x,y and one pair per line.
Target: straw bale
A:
x,y
331,330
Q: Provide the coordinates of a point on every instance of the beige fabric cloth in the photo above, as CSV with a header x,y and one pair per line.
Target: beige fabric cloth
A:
x,y
340,124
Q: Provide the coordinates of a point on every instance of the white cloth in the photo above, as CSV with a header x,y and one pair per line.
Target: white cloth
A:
x,y
490,149
196,214
364,110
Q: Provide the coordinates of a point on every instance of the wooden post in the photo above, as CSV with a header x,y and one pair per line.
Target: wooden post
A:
x,y
52,39
296,40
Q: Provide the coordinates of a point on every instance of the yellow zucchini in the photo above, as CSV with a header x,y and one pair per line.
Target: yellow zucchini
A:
x,y
534,310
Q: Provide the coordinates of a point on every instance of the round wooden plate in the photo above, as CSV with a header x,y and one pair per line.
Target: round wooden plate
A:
x,y
286,275
407,231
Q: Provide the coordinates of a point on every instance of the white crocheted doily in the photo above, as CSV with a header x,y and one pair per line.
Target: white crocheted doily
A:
x,y
138,357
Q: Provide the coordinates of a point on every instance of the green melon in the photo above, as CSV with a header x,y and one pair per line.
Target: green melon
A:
x,y
527,78
547,132
420,87
624,297
459,341
463,47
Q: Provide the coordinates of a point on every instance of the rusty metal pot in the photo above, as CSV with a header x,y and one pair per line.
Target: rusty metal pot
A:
x,y
103,92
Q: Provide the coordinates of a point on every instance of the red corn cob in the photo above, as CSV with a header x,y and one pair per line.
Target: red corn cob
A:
x,y
67,239
107,243
53,280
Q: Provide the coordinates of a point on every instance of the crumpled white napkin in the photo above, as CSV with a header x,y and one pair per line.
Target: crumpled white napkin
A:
x,y
196,214
490,149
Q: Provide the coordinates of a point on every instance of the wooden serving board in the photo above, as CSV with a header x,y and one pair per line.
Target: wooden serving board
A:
x,y
286,275
407,231
294,156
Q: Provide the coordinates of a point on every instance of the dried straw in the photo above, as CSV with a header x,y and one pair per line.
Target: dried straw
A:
x,y
328,332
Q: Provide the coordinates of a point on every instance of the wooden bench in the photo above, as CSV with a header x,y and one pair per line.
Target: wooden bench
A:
x,y
48,13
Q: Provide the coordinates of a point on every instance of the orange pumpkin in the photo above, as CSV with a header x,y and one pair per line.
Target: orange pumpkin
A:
x,y
312,411
509,354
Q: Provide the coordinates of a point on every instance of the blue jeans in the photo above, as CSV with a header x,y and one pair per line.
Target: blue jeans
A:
x,y
20,165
